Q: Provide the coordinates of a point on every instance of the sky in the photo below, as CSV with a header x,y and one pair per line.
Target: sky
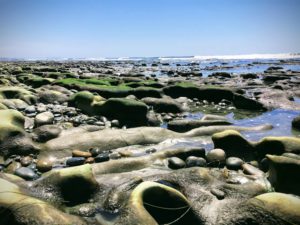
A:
x,y
127,28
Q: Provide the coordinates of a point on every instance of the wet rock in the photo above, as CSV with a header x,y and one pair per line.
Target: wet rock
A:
x,y
284,174
25,161
216,157
234,144
12,167
26,173
75,161
95,151
176,163
193,161
11,124
78,153
44,165
234,163
44,118
163,104
150,150
102,157
264,165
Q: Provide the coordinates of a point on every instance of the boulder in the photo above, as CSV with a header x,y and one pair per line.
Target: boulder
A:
x,y
163,105
11,124
284,174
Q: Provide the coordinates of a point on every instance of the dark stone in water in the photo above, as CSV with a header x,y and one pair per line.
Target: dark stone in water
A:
x,y
102,157
26,173
75,161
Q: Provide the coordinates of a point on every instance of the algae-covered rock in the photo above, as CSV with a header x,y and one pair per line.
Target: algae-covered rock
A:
x,y
277,206
19,208
74,185
11,124
284,174
277,145
127,111
164,104
150,202
234,144
17,93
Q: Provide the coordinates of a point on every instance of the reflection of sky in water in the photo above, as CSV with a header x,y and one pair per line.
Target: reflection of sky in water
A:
x,y
279,118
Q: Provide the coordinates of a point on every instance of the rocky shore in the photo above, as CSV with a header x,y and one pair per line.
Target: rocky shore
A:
x,y
116,142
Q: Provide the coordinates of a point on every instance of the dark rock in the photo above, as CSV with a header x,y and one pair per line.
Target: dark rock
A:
x,y
296,123
234,163
176,163
102,157
95,151
26,173
193,161
75,161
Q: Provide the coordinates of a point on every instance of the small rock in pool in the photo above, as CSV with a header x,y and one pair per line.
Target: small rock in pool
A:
x,y
176,163
26,173
75,161
102,157
192,161
78,153
150,150
234,163
44,165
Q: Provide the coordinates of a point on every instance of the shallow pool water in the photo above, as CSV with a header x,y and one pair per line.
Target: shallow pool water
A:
x,y
280,119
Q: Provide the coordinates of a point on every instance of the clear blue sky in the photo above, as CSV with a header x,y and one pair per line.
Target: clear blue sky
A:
x,y
109,28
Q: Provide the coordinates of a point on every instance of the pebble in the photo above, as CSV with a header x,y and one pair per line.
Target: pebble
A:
x,y
150,150
176,163
26,173
44,118
264,164
102,157
234,163
78,153
25,161
251,170
44,165
95,151
90,160
216,155
75,161
193,161
218,193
